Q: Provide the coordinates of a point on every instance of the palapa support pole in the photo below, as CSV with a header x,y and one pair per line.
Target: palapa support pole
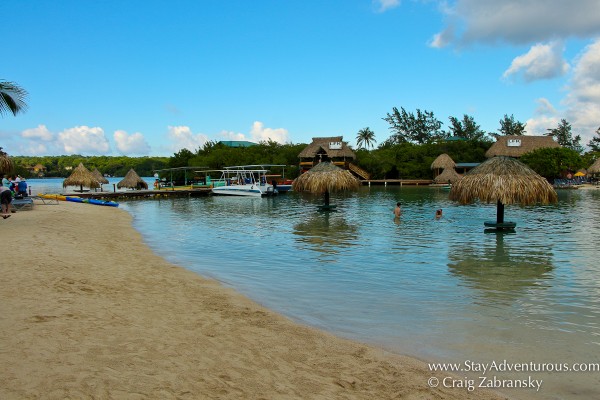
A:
x,y
500,213
327,197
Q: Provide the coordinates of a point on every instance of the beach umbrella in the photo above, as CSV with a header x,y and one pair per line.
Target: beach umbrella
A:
x,y
503,180
6,164
325,178
448,175
579,173
132,181
81,177
443,161
99,177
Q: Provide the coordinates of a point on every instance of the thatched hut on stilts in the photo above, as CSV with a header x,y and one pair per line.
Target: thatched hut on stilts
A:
x,y
503,180
449,175
441,163
325,178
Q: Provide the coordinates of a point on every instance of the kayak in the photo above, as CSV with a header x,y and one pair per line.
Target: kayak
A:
x,y
101,202
77,199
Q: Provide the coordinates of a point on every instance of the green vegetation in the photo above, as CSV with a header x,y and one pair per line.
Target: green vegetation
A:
x,y
12,98
61,166
550,163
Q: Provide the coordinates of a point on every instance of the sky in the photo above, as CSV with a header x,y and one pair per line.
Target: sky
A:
x,y
149,77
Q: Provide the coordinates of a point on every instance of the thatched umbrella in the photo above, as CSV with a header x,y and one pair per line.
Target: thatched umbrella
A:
x,y
99,177
594,168
324,178
81,177
443,161
503,180
449,175
132,181
6,164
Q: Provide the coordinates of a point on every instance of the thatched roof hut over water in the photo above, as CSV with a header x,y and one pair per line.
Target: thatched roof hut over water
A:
x,y
132,181
324,178
503,180
448,175
443,161
81,177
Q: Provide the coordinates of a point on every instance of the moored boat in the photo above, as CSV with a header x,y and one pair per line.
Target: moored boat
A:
x,y
243,180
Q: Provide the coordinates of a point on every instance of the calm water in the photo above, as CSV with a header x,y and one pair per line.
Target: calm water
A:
x,y
438,290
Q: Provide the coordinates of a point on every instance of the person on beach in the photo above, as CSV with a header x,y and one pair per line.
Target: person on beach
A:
x,y
5,200
5,181
398,210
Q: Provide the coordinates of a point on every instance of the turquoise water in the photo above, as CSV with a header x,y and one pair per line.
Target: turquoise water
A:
x,y
435,289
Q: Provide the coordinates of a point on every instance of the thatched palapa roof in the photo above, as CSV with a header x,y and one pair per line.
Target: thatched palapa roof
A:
x,y
443,161
317,144
81,177
6,164
449,175
132,181
503,179
594,168
517,145
325,177
98,175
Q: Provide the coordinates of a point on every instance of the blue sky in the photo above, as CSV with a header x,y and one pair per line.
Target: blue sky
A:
x,y
148,77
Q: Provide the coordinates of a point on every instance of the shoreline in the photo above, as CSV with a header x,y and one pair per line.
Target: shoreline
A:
x,y
88,310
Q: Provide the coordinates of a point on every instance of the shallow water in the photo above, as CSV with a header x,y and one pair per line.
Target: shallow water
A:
x,y
435,289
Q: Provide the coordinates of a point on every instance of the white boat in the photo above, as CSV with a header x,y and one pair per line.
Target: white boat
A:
x,y
243,180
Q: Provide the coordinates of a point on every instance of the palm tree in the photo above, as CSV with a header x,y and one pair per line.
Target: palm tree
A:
x,y
12,98
365,138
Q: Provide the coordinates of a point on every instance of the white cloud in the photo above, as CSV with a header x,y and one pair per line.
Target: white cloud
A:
x,y
181,137
39,133
131,144
34,148
260,133
542,61
384,5
546,117
84,140
582,102
519,21
229,135
581,108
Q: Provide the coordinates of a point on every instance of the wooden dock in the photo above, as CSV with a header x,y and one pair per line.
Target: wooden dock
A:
x,y
140,194
399,182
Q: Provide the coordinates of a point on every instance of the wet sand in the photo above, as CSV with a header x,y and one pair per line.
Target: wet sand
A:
x,y
87,310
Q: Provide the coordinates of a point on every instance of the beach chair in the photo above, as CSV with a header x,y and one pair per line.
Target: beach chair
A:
x,y
25,203
45,200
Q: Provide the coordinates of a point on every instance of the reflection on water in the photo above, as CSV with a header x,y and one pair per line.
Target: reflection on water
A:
x,y
436,289
327,233
499,274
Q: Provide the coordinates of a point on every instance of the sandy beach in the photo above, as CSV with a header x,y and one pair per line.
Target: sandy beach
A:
x,y
87,310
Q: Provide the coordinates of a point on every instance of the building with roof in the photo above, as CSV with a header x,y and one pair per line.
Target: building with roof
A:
x,y
332,149
517,145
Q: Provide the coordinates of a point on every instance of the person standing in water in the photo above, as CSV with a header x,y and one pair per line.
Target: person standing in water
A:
x,y
398,210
